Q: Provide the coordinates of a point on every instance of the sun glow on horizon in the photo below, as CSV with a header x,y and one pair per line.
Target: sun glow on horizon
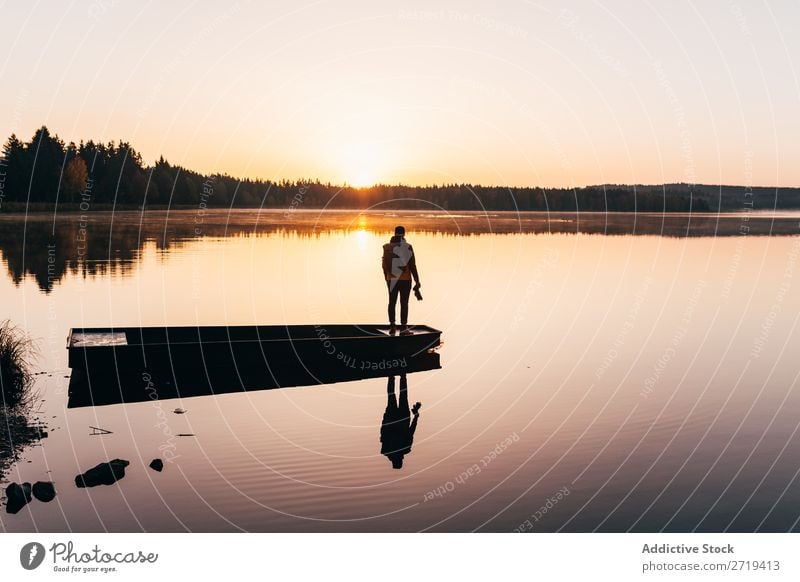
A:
x,y
362,179
360,171
361,163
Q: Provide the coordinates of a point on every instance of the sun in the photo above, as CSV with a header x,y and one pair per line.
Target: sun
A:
x,y
362,179
360,163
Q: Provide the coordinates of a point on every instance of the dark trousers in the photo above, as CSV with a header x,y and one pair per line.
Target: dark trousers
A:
x,y
397,409
402,288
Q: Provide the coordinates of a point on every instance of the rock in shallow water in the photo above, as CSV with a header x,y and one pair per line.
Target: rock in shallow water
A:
x,y
44,491
103,474
17,496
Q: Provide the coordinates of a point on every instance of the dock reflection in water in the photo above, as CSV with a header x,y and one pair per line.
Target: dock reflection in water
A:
x,y
109,379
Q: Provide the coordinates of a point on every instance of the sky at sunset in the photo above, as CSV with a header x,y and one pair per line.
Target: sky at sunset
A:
x,y
513,93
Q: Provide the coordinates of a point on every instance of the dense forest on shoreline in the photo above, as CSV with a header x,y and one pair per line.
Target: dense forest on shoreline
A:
x,y
45,172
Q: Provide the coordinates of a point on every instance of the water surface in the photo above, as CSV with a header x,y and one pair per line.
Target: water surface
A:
x,y
601,372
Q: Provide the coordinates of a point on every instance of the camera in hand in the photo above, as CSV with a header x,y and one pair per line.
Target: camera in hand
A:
x,y
417,294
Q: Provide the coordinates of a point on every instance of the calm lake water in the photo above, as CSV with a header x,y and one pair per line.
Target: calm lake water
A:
x,y
639,381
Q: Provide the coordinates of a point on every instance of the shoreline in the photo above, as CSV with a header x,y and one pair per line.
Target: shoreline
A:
x,y
107,209
193,222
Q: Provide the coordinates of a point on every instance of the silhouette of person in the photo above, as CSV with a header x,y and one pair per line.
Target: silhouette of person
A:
x,y
397,435
399,266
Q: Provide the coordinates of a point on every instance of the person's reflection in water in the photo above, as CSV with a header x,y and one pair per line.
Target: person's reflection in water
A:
x,y
397,430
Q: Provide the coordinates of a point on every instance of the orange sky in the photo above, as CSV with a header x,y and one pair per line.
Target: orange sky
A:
x,y
545,94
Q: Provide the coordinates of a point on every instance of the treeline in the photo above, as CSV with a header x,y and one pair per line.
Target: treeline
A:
x,y
45,171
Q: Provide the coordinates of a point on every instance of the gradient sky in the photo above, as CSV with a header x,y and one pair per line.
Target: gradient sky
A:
x,y
516,93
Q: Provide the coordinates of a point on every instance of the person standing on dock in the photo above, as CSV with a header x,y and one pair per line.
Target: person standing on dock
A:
x,y
399,266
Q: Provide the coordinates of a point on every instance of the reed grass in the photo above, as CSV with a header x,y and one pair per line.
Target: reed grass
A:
x,y
17,352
